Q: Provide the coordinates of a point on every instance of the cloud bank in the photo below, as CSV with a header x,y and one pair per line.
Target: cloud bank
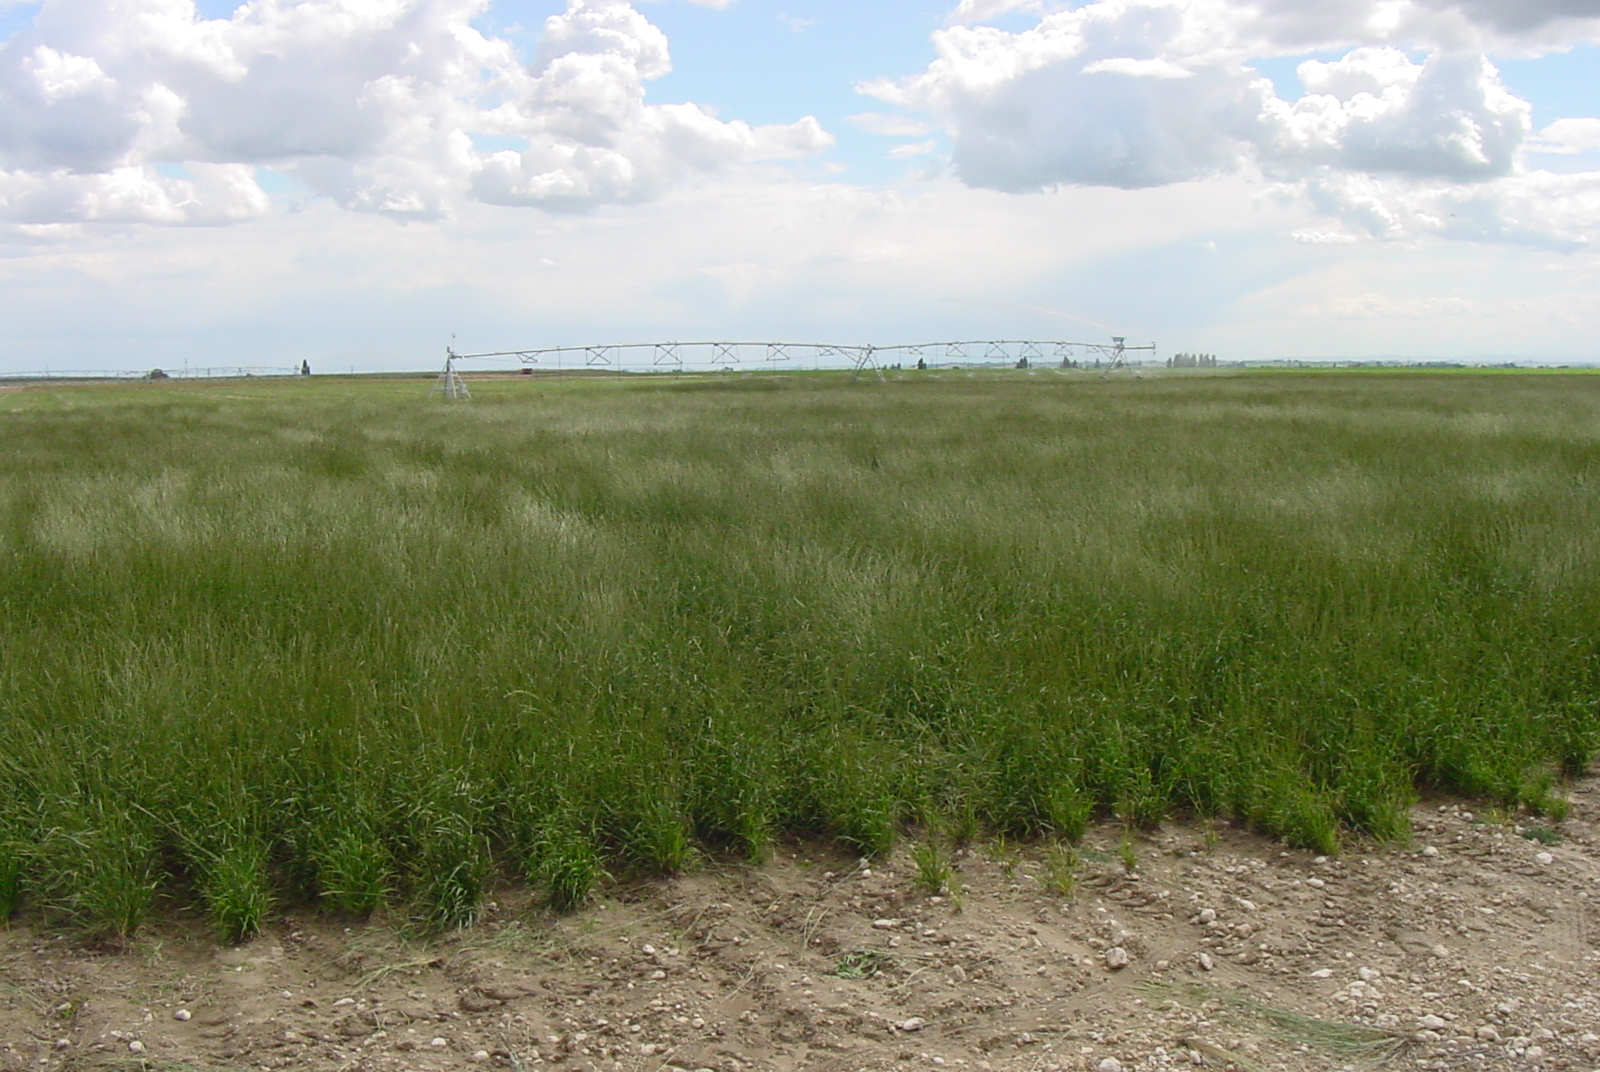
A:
x,y
1409,132
140,111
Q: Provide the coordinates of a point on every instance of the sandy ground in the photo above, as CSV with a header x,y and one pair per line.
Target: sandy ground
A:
x,y
1477,947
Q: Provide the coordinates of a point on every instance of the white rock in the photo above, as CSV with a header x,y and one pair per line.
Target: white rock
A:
x,y
181,1015
1369,975
1110,1064
887,924
63,1044
1315,883
1117,957
1432,1023
1322,973
1544,859
480,1057
135,1046
916,1023
1533,1053
1206,963
1429,850
1247,905
1488,1033
438,1043
1207,915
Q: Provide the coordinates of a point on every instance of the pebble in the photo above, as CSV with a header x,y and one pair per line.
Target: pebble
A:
x,y
1315,883
181,1015
887,924
1432,1023
1544,859
135,1046
1369,975
1206,963
1429,850
1117,957
1207,915
916,1023
438,1043
479,1057
1110,1064
1322,973
1488,1033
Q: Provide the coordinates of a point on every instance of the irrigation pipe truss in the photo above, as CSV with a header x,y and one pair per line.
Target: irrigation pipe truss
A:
x,y
676,356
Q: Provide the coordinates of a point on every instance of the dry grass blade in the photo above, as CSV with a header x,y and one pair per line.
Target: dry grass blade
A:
x,y
135,1064
1212,1052
27,994
1358,1043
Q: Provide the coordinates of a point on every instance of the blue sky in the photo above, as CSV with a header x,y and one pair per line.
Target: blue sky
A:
x,y
355,181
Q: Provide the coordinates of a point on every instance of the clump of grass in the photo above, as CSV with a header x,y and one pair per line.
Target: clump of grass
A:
x,y
98,868
453,861
1128,852
13,849
354,869
566,865
934,873
862,964
1544,835
1061,865
236,889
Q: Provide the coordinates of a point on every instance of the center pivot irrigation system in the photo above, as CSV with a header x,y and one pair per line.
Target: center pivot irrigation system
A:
x,y
747,356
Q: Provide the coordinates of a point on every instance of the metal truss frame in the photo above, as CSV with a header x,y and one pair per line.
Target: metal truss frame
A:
x,y
859,359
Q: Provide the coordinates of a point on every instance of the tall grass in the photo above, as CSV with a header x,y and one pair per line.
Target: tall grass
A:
x,y
329,642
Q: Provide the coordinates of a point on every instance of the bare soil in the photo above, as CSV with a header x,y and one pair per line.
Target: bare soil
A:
x,y
1476,947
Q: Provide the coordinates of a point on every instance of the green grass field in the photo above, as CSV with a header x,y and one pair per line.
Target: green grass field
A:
x,y
269,643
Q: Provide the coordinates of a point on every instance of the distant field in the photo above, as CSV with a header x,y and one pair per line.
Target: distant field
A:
x,y
273,642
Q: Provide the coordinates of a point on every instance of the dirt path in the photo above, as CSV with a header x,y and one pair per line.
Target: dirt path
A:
x,y
1478,947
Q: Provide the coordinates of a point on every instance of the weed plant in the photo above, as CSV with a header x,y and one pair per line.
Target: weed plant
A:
x,y
934,873
324,641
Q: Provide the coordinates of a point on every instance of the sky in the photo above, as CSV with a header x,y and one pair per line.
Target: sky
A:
x,y
360,183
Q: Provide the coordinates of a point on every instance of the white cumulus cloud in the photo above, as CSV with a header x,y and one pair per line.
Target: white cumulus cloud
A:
x,y
1568,136
379,105
1410,131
